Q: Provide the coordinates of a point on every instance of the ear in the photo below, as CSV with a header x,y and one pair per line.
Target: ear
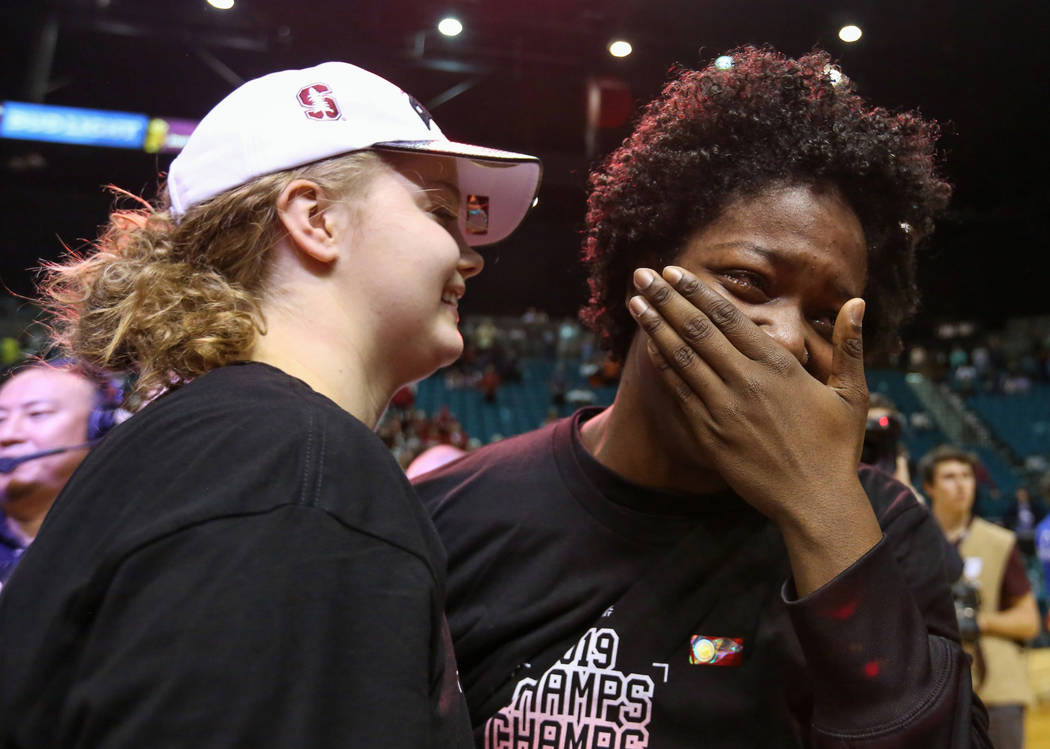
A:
x,y
301,210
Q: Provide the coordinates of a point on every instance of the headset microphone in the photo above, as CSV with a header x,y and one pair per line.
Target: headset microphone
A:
x,y
9,464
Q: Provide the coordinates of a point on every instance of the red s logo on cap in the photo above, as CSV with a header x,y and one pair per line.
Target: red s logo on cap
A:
x,y
319,102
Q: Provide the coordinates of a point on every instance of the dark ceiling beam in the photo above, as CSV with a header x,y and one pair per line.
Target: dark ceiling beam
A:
x,y
451,93
194,37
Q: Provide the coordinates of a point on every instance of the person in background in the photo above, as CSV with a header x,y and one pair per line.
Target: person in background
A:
x,y
1007,615
703,563
1042,543
1022,517
882,438
42,408
243,563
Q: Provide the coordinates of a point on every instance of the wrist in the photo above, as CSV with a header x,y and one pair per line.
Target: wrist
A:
x,y
825,541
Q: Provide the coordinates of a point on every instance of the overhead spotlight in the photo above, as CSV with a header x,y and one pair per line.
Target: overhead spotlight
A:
x,y
221,4
850,33
450,26
724,62
620,48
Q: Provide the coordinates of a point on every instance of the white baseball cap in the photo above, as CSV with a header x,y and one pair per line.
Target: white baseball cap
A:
x,y
295,117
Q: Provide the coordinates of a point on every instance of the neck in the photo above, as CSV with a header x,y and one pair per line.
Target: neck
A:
x,y
332,362
952,523
649,451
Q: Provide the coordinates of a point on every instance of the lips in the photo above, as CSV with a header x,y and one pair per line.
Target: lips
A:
x,y
453,294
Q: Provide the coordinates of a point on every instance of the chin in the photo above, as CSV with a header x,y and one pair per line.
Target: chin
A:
x,y
442,352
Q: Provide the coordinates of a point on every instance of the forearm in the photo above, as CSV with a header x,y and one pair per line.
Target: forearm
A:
x,y
882,679
1019,622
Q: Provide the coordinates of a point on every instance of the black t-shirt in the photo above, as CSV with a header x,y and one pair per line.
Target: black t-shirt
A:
x,y
587,611
242,564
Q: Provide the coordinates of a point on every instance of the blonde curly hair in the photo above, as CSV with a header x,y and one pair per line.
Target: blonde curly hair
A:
x,y
168,301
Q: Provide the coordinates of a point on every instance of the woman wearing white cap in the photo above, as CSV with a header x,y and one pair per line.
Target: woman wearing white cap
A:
x,y
242,564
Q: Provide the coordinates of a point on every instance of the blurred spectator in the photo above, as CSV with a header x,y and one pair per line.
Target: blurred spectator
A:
x,y
10,352
568,339
1007,615
41,408
409,434
882,438
489,383
558,384
1022,517
404,398
485,335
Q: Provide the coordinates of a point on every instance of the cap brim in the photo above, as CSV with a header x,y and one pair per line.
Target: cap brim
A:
x,y
504,184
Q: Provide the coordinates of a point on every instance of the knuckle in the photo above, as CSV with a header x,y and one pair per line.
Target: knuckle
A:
x,y
661,294
781,365
854,347
651,323
697,329
725,413
689,285
723,313
683,356
753,387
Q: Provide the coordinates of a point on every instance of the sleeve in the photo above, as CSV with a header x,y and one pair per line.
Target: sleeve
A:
x,y
1015,580
280,629
883,648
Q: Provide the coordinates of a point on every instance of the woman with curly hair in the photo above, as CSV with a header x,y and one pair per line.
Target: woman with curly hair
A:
x,y
243,563
703,563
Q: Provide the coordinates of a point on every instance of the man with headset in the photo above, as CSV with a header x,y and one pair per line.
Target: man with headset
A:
x,y
49,417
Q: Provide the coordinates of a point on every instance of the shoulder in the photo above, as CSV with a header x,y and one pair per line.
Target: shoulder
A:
x,y
246,408
521,461
918,543
889,497
990,532
239,440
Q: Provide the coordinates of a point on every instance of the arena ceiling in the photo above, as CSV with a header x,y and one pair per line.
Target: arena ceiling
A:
x,y
517,78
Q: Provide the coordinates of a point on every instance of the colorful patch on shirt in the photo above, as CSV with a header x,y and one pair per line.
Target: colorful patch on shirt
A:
x,y
715,651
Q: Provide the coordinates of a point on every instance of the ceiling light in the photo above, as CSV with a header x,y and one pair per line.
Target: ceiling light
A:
x,y
620,48
450,26
850,33
221,4
724,62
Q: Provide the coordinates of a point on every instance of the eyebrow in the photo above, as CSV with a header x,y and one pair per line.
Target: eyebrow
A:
x,y
776,258
37,402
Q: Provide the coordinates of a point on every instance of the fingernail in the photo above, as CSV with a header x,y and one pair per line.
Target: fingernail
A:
x,y
672,274
643,278
856,314
637,305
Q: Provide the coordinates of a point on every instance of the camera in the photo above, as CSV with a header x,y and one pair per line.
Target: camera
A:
x,y
882,433
967,600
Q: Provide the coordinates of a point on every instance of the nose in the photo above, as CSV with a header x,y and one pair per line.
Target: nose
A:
x,y
470,261
787,326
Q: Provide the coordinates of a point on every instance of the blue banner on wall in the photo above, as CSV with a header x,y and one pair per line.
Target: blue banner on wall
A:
x,y
89,127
